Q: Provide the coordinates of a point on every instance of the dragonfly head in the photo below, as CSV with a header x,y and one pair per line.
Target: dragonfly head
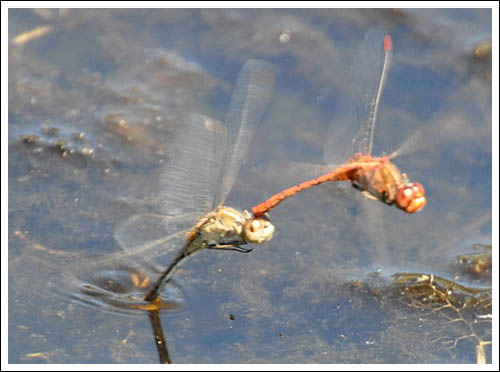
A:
x,y
257,230
411,197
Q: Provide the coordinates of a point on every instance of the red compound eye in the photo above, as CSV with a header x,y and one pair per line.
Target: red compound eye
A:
x,y
411,197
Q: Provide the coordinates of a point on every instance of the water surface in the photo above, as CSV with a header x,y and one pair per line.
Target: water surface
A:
x,y
92,101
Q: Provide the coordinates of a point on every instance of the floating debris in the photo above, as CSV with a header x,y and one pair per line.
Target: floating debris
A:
x,y
468,307
31,35
477,263
483,49
29,139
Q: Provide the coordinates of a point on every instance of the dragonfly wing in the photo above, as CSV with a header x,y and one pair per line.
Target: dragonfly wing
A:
x,y
340,144
150,235
352,130
188,180
369,70
187,189
251,95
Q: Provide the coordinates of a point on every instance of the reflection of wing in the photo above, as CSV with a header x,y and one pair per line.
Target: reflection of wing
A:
x,y
250,97
352,129
188,180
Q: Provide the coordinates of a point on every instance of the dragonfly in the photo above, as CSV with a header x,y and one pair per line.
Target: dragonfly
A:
x,y
205,156
376,177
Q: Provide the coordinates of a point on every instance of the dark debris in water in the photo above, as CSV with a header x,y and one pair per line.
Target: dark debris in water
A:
x,y
463,313
477,263
432,290
448,315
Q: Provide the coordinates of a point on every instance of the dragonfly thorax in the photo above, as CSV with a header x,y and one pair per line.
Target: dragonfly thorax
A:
x,y
379,178
228,227
224,226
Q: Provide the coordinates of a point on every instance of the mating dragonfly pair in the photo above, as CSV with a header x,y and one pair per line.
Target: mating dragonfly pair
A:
x,y
206,156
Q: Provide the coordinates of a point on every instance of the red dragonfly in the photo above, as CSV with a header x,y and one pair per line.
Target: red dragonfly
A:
x,y
376,177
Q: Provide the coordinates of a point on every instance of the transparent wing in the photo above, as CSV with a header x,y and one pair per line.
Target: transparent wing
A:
x,y
187,190
465,129
202,154
249,101
351,131
148,235
189,179
372,77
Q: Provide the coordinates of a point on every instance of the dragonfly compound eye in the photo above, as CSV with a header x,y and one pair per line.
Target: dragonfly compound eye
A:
x,y
258,230
411,197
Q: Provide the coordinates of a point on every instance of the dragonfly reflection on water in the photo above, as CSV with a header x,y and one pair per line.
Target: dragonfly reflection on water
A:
x,y
204,160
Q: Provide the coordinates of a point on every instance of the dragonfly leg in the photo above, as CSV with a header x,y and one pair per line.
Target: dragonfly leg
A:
x,y
230,247
366,194
357,186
